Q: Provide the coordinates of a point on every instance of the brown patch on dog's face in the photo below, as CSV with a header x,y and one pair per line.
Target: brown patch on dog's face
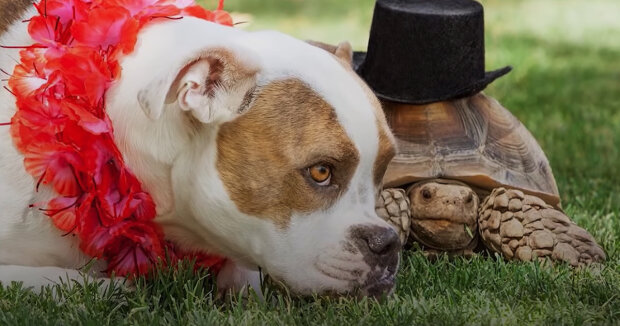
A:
x,y
11,11
264,155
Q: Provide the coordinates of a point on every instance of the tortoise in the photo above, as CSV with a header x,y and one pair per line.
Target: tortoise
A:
x,y
468,175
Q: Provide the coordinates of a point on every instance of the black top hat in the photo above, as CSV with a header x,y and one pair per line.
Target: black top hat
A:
x,y
423,51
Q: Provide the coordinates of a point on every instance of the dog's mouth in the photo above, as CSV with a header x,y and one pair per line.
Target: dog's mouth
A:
x,y
375,284
379,288
359,276
355,282
380,283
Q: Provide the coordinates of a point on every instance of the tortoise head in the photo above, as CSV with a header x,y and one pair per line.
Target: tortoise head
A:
x,y
444,214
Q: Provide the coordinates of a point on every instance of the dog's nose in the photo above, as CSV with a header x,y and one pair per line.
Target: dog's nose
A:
x,y
383,242
376,240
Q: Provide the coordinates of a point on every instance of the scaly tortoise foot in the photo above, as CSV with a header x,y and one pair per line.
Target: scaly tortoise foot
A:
x,y
392,205
522,227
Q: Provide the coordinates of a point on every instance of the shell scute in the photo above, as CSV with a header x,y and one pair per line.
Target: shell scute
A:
x,y
474,140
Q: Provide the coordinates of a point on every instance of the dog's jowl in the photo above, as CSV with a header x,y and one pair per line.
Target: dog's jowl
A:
x,y
256,146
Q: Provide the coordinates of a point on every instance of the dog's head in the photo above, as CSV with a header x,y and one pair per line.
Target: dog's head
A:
x,y
262,148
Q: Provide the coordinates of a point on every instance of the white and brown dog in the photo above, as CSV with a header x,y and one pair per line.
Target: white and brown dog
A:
x,y
256,146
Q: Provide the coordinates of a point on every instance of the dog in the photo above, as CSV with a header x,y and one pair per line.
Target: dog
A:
x,y
255,146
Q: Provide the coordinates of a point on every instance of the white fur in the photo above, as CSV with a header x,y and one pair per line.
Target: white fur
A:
x,y
178,168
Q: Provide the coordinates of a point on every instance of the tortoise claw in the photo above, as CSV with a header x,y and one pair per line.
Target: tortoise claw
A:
x,y
523,227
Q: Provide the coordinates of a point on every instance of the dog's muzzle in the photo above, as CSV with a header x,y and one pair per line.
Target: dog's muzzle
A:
x,y
380,247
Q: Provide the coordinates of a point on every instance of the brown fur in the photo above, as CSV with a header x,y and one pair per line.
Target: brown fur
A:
x,y
384,157
343,51
225,70
387,149
263,155
11,11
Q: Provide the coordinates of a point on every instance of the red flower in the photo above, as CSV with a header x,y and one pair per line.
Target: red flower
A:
x,y
107,27
54,164
34,58
223,18
146,9
66,10
66,137
213,262
62,210
85,74
85,118
26,81
46,30
120,197
199,12
130,247
41,116
177,3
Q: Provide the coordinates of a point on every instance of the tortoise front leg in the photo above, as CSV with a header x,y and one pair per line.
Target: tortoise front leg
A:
x,y
392,205
522,227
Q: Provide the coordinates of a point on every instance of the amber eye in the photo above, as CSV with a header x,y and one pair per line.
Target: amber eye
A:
x,y
321,174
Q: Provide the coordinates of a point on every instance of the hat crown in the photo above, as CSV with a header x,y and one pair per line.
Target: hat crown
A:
x,y
425,50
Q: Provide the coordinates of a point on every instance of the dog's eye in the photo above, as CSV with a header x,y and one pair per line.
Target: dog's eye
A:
x,y
321,174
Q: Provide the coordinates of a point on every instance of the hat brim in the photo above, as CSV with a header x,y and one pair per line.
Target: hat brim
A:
x,y
475,87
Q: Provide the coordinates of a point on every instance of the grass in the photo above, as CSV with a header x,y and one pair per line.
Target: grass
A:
x,y
565,88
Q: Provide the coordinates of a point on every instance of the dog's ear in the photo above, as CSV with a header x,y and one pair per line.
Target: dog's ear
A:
x,y
213,86
343,51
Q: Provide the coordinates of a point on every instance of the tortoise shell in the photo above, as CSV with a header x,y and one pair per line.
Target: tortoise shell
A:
x,y
474,140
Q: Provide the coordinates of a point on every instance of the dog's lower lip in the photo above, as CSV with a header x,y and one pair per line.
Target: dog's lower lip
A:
x,y
381,287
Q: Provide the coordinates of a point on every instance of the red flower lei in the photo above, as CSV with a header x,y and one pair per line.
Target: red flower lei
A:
x,y
63,131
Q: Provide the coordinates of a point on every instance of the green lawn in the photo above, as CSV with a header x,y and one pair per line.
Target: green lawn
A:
x,y
565,88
